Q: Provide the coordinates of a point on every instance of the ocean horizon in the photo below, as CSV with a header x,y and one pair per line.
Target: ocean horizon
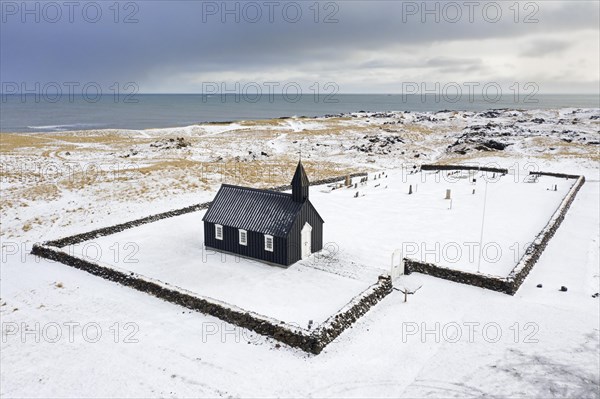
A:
x,y
53,113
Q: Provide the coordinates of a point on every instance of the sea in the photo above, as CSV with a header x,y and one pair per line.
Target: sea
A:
x,y
48,113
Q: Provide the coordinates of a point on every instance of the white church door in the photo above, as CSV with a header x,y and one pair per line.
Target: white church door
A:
x,y
306,238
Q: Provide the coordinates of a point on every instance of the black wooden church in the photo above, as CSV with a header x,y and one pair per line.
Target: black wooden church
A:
x,y
271,226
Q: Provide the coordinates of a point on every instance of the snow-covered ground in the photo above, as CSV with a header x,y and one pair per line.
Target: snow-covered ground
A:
x,y
427,227
172,251
55,183
423,225
539,343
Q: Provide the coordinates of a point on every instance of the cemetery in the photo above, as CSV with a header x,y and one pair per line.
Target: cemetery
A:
x,y
476,227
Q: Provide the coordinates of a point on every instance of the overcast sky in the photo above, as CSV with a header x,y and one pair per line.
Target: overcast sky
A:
x,y
363,47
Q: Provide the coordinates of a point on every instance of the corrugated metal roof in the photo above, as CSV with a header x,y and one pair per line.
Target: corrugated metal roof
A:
x,y
262,211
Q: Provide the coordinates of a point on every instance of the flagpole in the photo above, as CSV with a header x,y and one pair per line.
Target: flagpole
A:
x,y
482,223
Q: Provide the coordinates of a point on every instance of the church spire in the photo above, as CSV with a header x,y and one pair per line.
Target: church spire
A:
x,y
300,184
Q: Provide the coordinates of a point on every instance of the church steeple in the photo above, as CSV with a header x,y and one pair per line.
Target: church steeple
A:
x,y
300,184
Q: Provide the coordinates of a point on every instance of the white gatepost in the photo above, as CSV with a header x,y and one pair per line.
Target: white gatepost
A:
x,y
397,270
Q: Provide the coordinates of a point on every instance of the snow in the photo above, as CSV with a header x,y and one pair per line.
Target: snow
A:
x,y
297,125
175,352
423,226
172,251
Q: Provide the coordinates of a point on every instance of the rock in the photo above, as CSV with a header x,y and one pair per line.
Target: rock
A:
x,y
539,286
490,114
495,145
596,295
166,144
563,288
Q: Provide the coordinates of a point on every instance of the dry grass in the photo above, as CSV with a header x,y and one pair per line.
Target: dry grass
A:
x,y
91,137
30,223
212,159
46,192
10,142
576,152
418,130
268,173
564,150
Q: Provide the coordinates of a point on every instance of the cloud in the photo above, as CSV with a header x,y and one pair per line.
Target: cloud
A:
x,y
544,47
174,41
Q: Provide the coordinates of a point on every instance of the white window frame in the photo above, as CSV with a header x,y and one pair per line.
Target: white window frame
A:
x,y
243,233
272,243
218,228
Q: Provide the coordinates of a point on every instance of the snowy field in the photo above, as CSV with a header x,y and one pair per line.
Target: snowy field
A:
x,y
549,341
361,233
423,225
55,184
172,251
427,227
548,344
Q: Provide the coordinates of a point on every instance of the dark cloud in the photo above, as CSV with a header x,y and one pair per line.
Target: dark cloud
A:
x,y
178,37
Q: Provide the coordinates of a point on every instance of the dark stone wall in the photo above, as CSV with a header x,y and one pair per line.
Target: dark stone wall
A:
x,y
76,239
312,342
564,175
533,253
319,182
320,337
309,341
338,323
463,167
513,281
238,318
458,276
